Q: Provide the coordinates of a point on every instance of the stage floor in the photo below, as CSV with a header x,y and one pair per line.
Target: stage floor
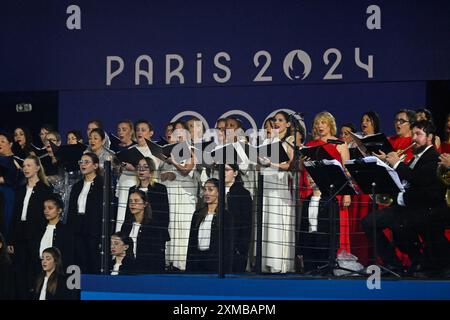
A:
x,y
281,287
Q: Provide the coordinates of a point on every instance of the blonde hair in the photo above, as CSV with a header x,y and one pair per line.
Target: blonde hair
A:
x,y
41,173
131,125
329,119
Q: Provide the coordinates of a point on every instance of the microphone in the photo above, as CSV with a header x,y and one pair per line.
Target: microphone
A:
x,y
333,141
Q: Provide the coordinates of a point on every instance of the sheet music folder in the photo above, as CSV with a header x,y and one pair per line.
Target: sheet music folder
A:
x,y
179,154
316,153
372,143
69,155
372,170
329,172
273,151
131,155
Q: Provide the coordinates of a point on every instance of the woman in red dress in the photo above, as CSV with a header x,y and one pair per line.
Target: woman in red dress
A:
x,y
324,129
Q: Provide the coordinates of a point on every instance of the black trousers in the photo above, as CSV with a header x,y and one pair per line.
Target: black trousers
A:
x,y
24,259
87,253
418,232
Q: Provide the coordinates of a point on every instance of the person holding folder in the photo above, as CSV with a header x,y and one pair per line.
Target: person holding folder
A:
x,y
97,139
182,191
127,179
404,118
324,129
278,240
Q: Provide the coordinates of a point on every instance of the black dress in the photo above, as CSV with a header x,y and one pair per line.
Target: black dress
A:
x,y
87,227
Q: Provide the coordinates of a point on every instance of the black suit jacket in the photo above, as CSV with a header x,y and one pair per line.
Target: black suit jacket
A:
x,y
208,261
159,203
89,223
150,249
239,205
425,190
61,292
63,239
29,229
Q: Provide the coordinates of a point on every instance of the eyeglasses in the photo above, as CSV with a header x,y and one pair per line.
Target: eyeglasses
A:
x,y
80,162
401,121
142,168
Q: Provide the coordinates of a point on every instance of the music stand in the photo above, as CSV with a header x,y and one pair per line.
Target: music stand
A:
x,y
330,177
375,177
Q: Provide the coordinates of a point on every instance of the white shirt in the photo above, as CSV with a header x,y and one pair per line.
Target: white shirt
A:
x,y
400,199
116,268
313,213
47,238
25,204
134,234
204,233
43,294
82,198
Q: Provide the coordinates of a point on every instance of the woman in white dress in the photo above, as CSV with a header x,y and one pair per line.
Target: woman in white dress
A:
x,y
278,234
182,191
143,131
127,179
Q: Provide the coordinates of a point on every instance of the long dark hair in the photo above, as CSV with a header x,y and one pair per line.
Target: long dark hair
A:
x,y
203,212
238,178
288,129
148,214
95,160
52,283
125,238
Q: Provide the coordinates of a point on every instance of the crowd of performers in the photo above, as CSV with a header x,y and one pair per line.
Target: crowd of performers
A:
x,y
166,210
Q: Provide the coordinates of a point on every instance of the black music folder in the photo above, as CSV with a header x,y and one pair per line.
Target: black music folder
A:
x,y
315,153
18,151
374,176
330,177
355,153
273,151
181,153
224,154
372,143
68,155
40,152
115,143
131,155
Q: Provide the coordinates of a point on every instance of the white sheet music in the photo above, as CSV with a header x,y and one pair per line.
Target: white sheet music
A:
x,y
391,171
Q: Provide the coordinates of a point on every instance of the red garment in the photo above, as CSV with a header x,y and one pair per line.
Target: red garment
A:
x,y
400,143
344,238
445,147
358,240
